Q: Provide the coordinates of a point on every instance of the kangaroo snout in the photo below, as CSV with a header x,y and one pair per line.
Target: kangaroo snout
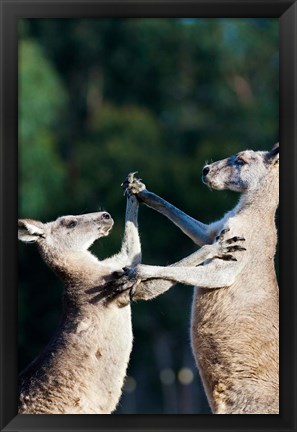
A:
x,y
105,222
205,171
106,217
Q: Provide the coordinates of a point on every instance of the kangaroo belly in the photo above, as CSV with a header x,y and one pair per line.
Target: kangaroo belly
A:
x,y
84,371
235,345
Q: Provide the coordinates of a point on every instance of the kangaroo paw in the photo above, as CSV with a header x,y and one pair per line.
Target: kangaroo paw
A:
x,y
226,246
132,185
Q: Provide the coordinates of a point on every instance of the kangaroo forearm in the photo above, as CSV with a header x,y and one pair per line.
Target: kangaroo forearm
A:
x,y
130,253
208,276
152,288
194,229
131,247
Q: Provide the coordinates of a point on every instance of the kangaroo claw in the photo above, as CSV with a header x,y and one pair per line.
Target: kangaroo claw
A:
x,y
229,258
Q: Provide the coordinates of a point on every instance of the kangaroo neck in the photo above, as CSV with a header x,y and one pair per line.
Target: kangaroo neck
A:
x,y
79,272
261,201
68,265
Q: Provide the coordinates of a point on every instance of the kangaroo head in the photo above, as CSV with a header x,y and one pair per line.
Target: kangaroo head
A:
x,y
241,172
67,233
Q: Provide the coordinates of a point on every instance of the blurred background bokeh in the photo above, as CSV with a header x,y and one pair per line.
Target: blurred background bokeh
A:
x,y
99,98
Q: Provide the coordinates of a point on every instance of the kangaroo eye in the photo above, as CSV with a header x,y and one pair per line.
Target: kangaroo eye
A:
x,y
72,224
240,161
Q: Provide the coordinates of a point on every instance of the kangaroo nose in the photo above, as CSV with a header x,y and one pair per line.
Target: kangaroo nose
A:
x,y
205,171
105,216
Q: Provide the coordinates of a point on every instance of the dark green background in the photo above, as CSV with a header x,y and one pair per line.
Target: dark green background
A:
x,y
101,98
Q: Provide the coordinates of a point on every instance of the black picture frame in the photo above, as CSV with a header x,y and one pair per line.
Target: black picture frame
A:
x,y
11,11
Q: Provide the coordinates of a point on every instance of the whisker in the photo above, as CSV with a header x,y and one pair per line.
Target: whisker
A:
x,y
83,211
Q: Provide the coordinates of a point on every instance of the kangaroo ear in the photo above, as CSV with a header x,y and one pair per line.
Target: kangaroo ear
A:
x,y
29,231
273,156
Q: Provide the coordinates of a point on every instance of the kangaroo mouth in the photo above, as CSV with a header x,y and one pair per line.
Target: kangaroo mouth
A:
x,y
212,183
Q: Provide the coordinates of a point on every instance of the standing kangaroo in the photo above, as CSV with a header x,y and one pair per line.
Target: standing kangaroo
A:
x,y
234,330
82,369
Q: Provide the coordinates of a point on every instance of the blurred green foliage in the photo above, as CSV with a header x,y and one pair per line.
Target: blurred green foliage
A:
x,y
101,98
41,101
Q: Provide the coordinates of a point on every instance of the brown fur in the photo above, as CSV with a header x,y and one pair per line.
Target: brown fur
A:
x,y
82,369
235,309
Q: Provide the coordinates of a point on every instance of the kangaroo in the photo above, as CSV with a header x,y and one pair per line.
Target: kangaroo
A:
x,y
234,326
82,369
